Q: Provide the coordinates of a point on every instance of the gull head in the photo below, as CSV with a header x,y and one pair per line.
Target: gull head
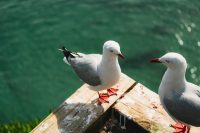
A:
x,y
172,60
112,48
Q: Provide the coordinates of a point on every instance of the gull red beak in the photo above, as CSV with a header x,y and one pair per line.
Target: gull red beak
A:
x,y
155,60
121,55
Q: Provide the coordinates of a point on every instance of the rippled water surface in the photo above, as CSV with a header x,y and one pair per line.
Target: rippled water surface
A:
x,y
35,80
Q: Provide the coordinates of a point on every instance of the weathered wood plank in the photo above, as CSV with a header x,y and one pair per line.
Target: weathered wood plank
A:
x,y
80,110
142,106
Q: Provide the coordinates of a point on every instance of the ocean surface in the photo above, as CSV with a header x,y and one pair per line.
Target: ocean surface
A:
x,y
33,77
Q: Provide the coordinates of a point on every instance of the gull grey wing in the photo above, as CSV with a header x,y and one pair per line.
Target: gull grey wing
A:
x,y
194,87
197,90
86,67
198,93
185,108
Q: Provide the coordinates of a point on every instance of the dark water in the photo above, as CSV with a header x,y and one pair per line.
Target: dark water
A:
x,y
33,77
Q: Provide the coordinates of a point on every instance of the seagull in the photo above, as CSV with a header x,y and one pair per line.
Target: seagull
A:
x,y
99,71
180,98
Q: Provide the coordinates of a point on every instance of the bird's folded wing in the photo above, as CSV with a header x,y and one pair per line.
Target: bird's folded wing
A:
x,y
195,88
86,67
184,107
198,93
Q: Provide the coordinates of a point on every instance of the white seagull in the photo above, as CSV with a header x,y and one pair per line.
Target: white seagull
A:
x,y
181,99
99,71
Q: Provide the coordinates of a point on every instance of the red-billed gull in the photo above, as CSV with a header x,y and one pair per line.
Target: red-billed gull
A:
x,y
181,99
99,71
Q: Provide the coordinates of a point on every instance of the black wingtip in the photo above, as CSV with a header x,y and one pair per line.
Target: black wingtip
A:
x,y
66,52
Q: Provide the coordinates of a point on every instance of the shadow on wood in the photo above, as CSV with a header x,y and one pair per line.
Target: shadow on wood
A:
x,y
80,110
135,109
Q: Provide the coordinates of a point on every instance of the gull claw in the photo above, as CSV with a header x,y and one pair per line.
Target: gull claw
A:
x,y
103,98
179,128
112,91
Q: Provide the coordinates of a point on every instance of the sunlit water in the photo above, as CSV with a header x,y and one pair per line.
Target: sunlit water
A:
x,y
35,80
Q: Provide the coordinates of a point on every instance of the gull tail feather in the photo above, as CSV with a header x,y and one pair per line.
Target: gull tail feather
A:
x,y
68,54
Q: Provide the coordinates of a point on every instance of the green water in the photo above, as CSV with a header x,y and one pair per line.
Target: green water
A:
x,y
33,77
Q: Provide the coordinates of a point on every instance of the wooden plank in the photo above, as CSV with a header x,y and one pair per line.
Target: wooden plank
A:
x,y
80,110
142,106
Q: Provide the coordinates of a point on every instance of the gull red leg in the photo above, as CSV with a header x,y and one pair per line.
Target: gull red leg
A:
x,y
188,129
179,128
103,98
112,91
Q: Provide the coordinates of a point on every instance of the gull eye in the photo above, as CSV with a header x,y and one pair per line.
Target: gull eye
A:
x,y
111,51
